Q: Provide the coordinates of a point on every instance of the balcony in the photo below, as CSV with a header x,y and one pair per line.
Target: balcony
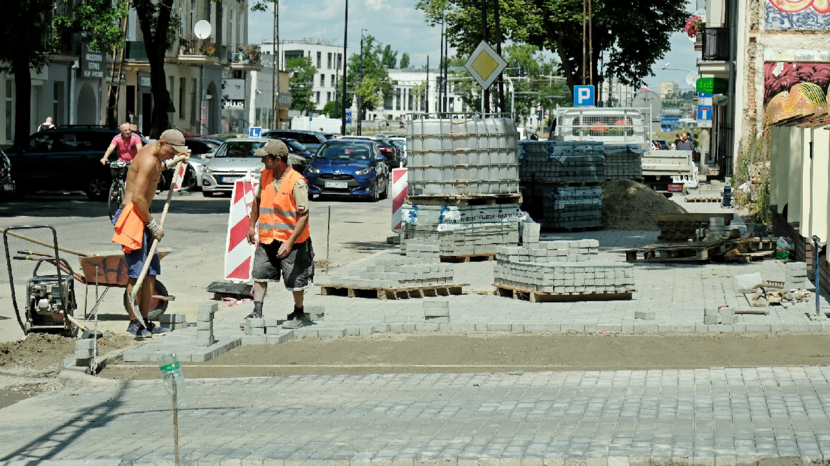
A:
x,y
243,56
716,44
192,48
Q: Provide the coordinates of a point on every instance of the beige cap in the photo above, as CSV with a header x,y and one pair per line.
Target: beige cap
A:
x,y
175,138
273,147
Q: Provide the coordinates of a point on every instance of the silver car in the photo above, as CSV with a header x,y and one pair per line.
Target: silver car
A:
x,y
202,150
233,160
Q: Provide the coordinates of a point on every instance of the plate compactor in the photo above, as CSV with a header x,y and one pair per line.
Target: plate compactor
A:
x,y
50,295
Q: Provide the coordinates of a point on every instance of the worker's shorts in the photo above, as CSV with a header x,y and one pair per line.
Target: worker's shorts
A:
x,y
136,259
297,268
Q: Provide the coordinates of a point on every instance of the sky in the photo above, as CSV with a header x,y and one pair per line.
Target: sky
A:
x,y
398,23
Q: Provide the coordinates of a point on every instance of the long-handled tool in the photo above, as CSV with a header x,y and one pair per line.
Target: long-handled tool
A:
x,y
137,286
87,333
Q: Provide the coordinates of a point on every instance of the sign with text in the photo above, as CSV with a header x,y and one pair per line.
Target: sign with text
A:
x,y
92,63
710,86
584,96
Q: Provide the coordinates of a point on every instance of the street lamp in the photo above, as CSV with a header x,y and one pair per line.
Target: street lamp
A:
x,y
360,99
345,60
666,67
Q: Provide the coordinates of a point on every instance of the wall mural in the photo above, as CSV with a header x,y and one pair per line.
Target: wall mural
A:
x,y
798,15
794,89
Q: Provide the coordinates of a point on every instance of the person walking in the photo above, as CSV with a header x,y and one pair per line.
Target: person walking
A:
x,y
135,227
46,125
281,208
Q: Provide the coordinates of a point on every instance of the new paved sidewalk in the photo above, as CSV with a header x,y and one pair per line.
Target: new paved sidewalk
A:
x,y
709,416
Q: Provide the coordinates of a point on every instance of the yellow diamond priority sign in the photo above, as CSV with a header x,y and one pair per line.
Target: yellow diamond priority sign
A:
x,y
485,65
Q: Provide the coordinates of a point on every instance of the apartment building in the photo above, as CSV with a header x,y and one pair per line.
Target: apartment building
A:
x,y
325,55
669,89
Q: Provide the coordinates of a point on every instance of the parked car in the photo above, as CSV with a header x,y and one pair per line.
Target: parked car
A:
x,y
295,147
400,143
311,140
660,144
235,158
67,158
348,168
394,156
388,135
201,150
6,181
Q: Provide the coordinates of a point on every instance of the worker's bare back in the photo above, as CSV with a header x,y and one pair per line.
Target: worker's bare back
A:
x,y
142,179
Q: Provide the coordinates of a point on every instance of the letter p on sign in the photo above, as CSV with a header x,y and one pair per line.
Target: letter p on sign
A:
x,y
584,96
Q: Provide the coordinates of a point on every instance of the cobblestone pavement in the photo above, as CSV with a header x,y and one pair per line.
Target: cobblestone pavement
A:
x,y
708,416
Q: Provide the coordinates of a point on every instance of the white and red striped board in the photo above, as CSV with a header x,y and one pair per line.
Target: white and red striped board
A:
x,y
178,177
239,255
399,193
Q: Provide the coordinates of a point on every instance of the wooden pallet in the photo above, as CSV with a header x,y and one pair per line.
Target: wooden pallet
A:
x,y
747,257
689,252
540,297
477,199
469,258
702,199
570,230
403,292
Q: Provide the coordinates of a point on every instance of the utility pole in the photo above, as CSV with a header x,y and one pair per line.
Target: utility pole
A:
x,y
360,99
484,38
426,99
590,44
275,89
446,71
584,52
345,59
441,69
498,50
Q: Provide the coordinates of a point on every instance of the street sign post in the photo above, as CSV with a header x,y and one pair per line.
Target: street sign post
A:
x,y
584,96
485,65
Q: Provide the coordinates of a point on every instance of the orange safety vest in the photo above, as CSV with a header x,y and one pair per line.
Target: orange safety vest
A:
x,y
277,209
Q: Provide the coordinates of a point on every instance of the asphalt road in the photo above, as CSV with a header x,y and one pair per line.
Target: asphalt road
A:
x,y
196,231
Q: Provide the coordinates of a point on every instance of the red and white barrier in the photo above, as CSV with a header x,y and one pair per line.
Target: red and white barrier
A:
x,y
178,177
239,255
399,193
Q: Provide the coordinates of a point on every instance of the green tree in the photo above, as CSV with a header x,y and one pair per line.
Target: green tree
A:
x,y
419,91
389,58
632,38
329,109
301,72
372,60
404,61
34,29
367,91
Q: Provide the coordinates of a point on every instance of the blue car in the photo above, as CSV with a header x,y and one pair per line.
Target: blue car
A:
x,y
348,168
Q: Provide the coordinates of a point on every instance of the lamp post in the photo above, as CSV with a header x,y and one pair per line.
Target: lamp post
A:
x,y
359,98
345,60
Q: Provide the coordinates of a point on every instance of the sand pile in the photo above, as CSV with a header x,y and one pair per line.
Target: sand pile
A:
x,y
628,205
45,353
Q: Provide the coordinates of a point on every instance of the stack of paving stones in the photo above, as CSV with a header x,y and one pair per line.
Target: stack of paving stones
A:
x,y
482,239
531,233
574,207
84,351
562,267
552,162
437,311
204,324
421,269
623,162
795,275
173,321
719,316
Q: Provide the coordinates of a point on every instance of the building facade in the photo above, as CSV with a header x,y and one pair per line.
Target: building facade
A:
x,y
669,89
326,57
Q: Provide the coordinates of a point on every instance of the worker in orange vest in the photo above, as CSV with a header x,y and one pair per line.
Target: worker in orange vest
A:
x,y
281,209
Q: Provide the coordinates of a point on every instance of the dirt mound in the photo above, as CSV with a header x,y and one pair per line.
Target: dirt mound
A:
x,y
45,352
628,205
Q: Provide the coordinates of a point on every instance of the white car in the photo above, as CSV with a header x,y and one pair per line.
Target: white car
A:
x,y
235,158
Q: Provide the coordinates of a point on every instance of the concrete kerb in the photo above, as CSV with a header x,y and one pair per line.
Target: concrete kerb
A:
x,y
483,461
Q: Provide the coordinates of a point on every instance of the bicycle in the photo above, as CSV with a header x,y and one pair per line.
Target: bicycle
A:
x,y
119,184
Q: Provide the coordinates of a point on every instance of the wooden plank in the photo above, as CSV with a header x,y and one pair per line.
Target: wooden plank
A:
x,y
541,297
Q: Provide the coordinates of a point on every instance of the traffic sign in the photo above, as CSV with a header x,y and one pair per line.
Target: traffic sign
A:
x,y
584,96
485,65
704,112
255,131
348,116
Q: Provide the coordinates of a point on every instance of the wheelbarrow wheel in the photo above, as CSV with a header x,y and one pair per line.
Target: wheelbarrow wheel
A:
x,y
157,306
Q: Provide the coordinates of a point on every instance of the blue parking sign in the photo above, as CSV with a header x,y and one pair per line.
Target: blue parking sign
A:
x,y
255,132
584,96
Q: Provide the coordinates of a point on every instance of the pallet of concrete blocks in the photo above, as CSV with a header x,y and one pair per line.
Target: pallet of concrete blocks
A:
x,y
464,241
546,274
549,252
575,208
623,161
561,162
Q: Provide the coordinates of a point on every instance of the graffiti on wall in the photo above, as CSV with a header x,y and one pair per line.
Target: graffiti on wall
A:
x,y
798,15
794,89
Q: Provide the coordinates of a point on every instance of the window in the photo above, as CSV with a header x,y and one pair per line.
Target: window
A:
x,y
398,99
182,86
319,60
329,60
170,92
409,101
333,81
9,110
328,97
322,80
317,98
57,103
339,61
193,106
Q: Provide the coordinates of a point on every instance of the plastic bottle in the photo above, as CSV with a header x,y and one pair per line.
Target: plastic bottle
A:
x,y
171,373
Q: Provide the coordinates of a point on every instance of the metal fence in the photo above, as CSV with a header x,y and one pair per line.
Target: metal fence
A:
x,y
612,124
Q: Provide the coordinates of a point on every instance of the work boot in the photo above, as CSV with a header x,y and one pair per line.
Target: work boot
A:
x,y
155,329
137,330
257,314
297,322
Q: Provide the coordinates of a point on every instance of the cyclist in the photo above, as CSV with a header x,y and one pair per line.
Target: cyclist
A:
x,y
128,145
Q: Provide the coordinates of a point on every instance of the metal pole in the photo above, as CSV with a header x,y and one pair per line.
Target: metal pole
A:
x,y
426,100
816,241
345,59
584,10
441,70
328,236
360,99
275,90
175,422
590,45
498,50
484,38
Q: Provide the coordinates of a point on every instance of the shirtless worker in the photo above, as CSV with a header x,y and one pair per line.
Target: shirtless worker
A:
x,y
142,178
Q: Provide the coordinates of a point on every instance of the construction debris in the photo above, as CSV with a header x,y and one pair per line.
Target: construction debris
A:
x,y
632,206
768,294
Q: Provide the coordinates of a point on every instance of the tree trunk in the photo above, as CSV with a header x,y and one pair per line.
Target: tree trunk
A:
x,y
158,87
156,46
22,98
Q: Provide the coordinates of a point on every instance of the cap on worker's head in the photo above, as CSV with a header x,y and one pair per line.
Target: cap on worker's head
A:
x,y
175,138
273,147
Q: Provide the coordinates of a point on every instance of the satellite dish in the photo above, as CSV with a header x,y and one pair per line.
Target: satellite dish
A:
x,y
650,100
202,29
691,79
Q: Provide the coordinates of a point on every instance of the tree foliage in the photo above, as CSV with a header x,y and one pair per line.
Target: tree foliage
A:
x,y
301,83
632,36
389,58
404,61
372,60
331,109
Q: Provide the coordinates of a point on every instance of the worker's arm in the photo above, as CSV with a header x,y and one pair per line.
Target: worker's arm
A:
x,y
252,233
107,154
285,249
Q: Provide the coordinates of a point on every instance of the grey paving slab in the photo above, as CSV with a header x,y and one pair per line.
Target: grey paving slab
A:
x,y
714,416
